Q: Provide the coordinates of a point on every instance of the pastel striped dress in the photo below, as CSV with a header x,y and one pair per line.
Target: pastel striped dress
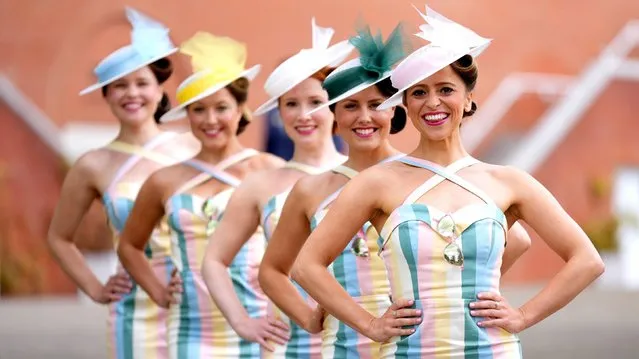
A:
x,y
136,325
301,344
413,242
197,328
360,271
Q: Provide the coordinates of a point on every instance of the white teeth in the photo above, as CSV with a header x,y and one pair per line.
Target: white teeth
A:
x,y
364,131
212,132
437,117
305,128
132,106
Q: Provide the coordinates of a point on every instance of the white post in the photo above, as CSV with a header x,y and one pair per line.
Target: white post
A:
x,y
625,205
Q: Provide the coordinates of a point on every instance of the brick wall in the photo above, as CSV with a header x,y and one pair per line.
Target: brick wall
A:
x,y
604,139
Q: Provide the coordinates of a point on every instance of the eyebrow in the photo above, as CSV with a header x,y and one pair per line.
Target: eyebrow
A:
x,y
216,103
442,83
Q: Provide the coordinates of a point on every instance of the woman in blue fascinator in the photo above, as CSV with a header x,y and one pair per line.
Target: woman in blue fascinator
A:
x,y
130,80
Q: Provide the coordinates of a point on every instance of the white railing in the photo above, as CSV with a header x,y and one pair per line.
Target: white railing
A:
x,y
506,94
29,113
556,123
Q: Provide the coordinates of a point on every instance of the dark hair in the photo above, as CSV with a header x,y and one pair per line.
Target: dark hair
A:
x,y
385,87
239,90
162,70
466,68
321,75
398,122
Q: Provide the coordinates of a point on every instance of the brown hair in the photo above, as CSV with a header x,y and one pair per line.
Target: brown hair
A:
x,y
398,122
466,69
321,75
239,90
162,70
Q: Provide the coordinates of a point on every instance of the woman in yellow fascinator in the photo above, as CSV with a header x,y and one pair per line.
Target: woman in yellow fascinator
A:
x,y
193,195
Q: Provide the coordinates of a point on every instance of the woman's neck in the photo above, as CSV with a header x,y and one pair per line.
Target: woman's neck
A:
x,y
442,152
216,155
361,160
138,135
319,155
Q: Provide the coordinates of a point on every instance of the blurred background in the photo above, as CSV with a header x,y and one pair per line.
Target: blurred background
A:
x,y
558,93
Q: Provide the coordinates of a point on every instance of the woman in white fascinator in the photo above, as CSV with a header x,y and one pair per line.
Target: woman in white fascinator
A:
x,y
442,218
295,88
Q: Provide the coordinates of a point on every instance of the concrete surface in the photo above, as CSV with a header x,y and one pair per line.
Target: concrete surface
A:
x,y
598,324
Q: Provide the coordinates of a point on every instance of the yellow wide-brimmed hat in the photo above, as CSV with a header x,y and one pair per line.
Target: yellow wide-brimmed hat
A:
x,y
217,61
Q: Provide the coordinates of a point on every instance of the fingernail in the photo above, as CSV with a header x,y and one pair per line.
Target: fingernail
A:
x,y
472,305
412,330
419,312
480,324
473,312
411,302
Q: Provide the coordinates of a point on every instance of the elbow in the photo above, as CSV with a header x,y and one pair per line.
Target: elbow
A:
x,y
206,268
51,241
55,245
123,252
120,250
212,268
263,278
301,273
591,265
268,277
596,266
307,267
526,243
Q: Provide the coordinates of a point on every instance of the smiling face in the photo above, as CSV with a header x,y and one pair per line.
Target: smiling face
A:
x,y
214,119
293,106
134,98
436,105
359,123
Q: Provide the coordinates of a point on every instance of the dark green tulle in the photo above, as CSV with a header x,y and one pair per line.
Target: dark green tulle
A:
x,y
376,59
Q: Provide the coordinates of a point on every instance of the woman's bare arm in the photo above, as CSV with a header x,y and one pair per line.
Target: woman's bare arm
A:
x,y
534,204
238,225
77,195
291,233
354,206
147,212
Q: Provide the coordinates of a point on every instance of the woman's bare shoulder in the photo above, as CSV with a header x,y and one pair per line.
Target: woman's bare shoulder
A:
x,y
265,161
